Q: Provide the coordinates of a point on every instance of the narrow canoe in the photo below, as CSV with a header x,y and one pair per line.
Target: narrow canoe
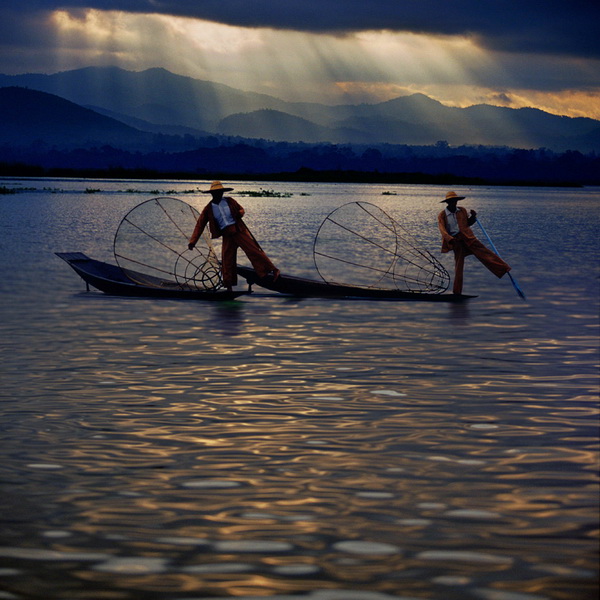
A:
x,y
310,288
111,279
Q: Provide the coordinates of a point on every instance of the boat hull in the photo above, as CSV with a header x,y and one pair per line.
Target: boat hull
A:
x,y
310,288
110,279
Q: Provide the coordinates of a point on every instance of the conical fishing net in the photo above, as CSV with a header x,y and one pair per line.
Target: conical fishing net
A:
x,y
151,247
360,245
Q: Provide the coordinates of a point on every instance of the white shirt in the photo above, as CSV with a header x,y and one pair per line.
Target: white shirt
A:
x,y
222,214
452,223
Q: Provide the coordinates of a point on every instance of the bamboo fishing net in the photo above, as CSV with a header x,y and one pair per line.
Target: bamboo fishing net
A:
x,y
358,244
151,247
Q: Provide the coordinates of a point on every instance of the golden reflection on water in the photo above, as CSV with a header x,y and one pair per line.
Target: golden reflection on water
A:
x,y
266,446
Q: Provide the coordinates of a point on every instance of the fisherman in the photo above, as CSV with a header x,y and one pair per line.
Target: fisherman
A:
x,y
455,227
224,218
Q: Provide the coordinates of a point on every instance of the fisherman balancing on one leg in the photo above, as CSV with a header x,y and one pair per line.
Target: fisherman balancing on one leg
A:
x,y
223,215
455,226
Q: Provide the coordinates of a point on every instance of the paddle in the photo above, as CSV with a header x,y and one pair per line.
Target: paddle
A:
x,y
512,279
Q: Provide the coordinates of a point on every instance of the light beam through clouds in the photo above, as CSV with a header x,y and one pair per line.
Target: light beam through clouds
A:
x,y
346,67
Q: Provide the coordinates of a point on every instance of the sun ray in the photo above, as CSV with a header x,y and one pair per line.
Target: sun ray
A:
x,y
368,66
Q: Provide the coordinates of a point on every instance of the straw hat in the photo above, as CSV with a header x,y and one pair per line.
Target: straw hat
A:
x,y
217,186
452,196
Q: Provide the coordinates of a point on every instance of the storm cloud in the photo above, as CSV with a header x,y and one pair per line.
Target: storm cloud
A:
x,y
544,54
534,26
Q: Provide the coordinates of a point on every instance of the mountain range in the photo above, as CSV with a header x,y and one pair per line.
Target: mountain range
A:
x,y
129,109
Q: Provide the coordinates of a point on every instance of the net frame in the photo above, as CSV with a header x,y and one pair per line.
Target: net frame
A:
x,y
165,238
402,264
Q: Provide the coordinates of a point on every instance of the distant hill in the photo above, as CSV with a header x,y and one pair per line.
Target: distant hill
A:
x,y
154,95
29,116
144,125
170,103
43,134
283,127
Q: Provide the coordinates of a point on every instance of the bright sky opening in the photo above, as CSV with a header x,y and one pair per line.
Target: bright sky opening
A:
x,y
335,67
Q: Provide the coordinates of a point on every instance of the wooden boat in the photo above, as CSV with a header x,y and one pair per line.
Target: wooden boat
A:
x,y
151,263
310,288
111,279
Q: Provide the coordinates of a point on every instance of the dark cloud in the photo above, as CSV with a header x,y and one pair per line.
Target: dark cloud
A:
x,y
533,26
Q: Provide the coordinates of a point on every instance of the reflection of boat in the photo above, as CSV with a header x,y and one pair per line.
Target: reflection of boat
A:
x,y
111,279
310,288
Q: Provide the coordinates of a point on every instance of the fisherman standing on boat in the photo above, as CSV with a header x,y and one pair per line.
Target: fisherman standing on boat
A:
x,y
223,215
455,226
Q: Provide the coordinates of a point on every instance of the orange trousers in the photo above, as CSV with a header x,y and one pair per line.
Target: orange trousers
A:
x,y
488,258
232,240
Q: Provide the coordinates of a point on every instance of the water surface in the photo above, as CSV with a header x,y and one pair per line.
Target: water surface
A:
x,y
320,449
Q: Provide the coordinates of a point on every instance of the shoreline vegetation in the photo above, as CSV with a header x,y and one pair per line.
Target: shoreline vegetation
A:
x,y
261,193
306,175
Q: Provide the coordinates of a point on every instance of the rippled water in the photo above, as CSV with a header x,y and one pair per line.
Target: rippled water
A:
x,y
319,449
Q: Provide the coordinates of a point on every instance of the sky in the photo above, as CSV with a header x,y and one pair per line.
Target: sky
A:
x,y
513,53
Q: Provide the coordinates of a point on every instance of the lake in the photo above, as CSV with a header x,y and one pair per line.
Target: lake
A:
x,y
284,448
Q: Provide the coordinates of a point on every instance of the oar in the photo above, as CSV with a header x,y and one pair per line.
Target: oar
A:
x,y
512,279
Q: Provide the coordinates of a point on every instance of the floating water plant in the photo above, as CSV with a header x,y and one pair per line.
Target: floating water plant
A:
x,y
265,194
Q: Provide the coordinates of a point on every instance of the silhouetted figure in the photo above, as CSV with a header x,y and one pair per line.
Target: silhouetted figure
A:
x,y
455,227
223,215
